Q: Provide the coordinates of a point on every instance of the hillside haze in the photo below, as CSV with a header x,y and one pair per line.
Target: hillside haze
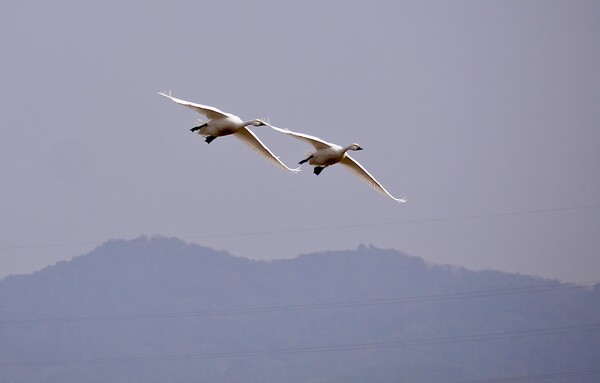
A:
x,y
161,310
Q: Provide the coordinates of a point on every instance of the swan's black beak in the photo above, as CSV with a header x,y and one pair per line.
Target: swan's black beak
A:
x,y
359,148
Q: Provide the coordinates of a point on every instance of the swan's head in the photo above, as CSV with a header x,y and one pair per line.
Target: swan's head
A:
x,y
258,122
355,147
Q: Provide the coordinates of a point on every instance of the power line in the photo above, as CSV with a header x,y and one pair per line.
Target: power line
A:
x,y
316,349
329,228
394,223
310,306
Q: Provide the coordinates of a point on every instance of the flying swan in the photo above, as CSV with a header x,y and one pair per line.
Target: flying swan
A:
x,y
221,124
327,154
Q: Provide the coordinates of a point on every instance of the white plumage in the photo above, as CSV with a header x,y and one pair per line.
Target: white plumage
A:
x,y
221,124
327,154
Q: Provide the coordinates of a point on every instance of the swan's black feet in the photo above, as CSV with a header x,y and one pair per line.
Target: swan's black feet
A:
x,y
195,128
209,139
305,160
318,170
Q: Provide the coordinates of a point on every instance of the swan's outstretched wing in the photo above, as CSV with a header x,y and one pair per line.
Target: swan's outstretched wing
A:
x,y
316,142
255,144
366,177
209,111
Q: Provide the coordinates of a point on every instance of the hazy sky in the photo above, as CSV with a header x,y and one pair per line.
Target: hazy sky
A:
x,y
484,115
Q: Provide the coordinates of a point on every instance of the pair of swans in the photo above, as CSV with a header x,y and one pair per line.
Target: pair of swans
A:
x,y
221,124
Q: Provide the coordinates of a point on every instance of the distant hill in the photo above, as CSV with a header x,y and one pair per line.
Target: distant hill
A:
x,y
161,310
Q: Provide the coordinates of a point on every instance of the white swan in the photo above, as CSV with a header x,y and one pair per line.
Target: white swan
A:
x,y
327,154
221,124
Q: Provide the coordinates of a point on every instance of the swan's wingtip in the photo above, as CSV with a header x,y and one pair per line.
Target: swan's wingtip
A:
x,y
292,170
163,93
401,200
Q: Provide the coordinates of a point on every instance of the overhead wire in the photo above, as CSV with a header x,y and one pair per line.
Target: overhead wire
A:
x,y
307,306
315,349
324,228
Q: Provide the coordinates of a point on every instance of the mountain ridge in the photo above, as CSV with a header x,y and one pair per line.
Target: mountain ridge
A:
x,y
128,309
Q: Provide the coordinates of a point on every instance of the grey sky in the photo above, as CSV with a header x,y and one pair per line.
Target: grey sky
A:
x,y
468,109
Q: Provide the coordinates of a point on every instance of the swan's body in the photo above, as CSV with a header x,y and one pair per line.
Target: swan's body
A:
x,y
221,124
327,154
